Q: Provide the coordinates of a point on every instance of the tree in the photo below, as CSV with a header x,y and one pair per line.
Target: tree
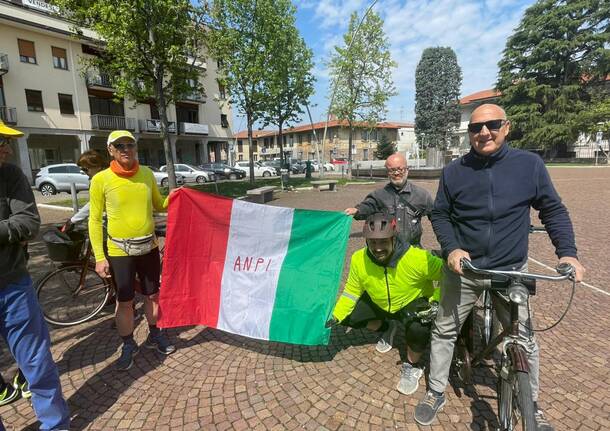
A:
x,y
362,75
385,148
438,79
553,69
149,48
241,36
289,78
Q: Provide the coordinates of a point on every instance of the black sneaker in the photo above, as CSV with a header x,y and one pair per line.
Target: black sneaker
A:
x,y
426,410
161,343
125,361
542,424
8,394
21,384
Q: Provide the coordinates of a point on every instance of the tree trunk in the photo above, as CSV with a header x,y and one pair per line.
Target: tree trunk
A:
x,y
167,145
280,136
250,146
349,149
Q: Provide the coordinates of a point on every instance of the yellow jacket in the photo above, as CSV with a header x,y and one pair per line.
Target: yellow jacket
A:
x,y
128,203
390,287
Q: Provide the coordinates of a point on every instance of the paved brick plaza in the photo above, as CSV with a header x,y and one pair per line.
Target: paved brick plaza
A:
x,y
221,381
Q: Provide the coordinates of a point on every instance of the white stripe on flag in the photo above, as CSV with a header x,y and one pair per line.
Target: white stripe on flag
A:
x,y
257,245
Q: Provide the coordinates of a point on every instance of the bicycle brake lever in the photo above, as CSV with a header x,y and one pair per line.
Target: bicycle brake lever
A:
x,y
565,269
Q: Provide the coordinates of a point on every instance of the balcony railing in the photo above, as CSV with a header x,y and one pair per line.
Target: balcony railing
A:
x,y
195,96
193,128
111,122
97,79
155,126
3,64
8,115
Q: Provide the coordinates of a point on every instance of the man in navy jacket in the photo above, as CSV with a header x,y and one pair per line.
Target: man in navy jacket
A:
x,y
482,213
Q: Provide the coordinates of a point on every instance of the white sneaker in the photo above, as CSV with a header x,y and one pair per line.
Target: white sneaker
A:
x,y
384,344
409,379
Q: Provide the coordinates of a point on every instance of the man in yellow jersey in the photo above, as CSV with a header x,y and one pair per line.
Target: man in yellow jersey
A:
x,y
128,194
390,286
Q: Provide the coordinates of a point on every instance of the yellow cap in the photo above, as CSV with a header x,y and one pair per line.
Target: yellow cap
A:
x,y
7,132
115,135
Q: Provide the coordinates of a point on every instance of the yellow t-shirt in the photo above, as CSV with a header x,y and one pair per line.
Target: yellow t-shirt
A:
x,y
128,203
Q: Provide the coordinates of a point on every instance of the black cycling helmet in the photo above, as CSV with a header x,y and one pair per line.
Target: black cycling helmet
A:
x,y
379,226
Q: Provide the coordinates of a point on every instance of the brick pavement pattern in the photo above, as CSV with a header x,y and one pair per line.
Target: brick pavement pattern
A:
x,y
219,381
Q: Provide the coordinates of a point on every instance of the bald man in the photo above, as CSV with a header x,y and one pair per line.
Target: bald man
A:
x,y
404,201
482,213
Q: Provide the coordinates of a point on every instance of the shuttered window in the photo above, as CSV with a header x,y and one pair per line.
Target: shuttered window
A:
x,y
65,104
27,53
60,58
34,100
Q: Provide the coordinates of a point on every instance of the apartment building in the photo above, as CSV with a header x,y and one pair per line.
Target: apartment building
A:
x,y
64,110
300,143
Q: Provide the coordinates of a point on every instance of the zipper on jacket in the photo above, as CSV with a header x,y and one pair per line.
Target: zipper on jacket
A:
x,y
387,285
491,211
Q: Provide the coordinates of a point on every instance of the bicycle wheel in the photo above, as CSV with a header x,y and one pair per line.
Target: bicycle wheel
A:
x,y
488,319
65,302
515,401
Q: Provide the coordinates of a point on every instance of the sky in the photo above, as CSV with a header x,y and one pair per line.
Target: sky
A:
x,y
477,31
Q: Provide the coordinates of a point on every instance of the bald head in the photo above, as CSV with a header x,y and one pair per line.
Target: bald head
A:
x,y
396,160
488,129
488,111
396,165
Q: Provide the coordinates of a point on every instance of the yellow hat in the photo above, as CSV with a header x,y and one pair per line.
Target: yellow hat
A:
x,y
115,135
7,132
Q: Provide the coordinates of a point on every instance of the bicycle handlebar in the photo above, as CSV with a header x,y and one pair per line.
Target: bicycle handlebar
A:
x,y
537,229
565,271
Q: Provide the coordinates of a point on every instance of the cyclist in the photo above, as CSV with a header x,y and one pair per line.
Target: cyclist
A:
x,y
128,193
21,322
389,281
482,213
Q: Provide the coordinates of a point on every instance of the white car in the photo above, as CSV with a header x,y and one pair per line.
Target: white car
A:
x,y
57,178
161,177
259,169
192,174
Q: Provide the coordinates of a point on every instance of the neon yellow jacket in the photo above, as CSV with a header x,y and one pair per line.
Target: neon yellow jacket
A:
x,y
390,287
128,204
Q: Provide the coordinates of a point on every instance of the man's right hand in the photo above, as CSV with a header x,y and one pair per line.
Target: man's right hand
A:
x,y
454,260
351,211
103,268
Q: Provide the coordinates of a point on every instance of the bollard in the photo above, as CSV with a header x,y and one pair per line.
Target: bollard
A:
x,y
74,197
284,179
308,169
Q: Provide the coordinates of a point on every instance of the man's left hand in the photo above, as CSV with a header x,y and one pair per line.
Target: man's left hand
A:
x,y
579,270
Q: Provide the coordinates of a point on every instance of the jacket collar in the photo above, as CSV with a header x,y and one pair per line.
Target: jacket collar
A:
x,y
405,189
492,158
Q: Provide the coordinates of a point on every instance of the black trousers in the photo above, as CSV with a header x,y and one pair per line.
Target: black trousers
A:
x,y
416,333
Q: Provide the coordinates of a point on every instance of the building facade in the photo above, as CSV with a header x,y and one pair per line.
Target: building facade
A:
x,y
64,109
300,142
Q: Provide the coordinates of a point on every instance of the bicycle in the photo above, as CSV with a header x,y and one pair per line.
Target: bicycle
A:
x,y
73,293
514,390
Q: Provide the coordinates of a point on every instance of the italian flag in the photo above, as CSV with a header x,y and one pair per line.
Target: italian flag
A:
x,y
260,271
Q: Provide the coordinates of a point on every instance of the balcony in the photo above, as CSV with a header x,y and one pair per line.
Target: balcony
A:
x,y
193,129
111,122
3,64
8,115
155,126
195,96
97,79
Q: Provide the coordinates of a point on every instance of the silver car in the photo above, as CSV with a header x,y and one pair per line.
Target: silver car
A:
x,y
53,179
191,174
161,177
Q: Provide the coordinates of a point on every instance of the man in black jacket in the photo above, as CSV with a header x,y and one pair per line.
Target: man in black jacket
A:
x,y
482,213
21,322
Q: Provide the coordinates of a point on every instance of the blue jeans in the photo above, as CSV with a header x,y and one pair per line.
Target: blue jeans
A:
x,y
25,331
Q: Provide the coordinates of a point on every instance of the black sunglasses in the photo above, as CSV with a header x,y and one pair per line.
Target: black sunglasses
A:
x,y
491,125
121,147
85,170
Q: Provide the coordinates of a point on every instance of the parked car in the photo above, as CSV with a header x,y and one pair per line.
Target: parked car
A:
x,y
223,170
53,179
162,179
259,169
339,161
192,174
274,164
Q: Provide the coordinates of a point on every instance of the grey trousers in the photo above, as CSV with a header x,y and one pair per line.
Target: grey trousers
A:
x,y
458,296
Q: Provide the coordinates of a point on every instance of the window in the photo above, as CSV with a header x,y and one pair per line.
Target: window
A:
x,y
187,113
106,106
65,104
74,170
241,157
33,99
27,53
221,91
240,146
224,121
58,170
154,112
60,59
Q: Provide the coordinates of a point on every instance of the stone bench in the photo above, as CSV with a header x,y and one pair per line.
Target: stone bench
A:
x,y
261,195
330,183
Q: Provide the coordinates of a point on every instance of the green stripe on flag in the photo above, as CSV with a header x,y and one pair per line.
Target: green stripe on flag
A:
x,y
310,276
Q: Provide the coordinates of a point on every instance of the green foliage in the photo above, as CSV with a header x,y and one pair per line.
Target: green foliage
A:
x,y
438,79
553,71
362,74
385,148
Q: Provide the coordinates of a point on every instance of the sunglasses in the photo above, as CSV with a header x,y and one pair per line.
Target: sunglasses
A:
x,y
121,147
396,170
491,125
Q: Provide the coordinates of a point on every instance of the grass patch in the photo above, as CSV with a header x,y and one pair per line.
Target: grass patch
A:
x,y
68,202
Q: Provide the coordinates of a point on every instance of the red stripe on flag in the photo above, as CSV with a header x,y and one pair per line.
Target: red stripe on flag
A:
x,y
195,249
